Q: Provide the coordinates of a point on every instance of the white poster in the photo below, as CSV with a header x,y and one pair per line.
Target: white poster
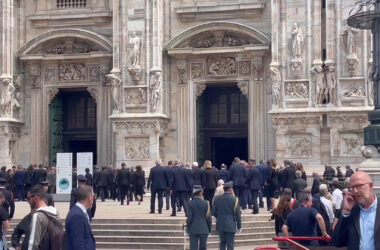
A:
x,y
84,160
64,172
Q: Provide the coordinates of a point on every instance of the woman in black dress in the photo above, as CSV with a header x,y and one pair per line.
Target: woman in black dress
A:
x,y
273,182
139,183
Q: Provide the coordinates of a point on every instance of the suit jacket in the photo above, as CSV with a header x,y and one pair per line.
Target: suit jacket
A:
x,y
254,179
223,174
197,176
347,231
227,217
179,180
237,174
198,217
157,178
290,177
78,231
124,177
315,187
210,178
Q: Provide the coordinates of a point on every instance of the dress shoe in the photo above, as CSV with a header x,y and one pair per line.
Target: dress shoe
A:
x,y
159,211
151,212
173,215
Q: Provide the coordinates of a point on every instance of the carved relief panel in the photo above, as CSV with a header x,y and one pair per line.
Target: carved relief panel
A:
x,y
135,96
222,66
197,70
350,143
298,145
72,71
352,92
297,90
136,148
50,75
245,68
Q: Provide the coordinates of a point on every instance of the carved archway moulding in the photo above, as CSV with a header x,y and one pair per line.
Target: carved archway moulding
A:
x,y
103,44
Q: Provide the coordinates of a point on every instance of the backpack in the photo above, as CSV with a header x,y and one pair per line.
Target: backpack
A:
x,y
54,238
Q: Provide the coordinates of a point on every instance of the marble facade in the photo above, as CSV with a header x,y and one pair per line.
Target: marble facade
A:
x,y
146,62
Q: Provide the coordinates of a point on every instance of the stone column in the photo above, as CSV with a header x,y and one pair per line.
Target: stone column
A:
x,y
116,36
157,33
317,38
35,109
7,41
331,25
275,6
183,121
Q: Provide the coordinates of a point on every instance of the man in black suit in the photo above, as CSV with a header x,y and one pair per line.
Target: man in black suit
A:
x,y
227,212
198,220
178,187
359,224
103,183
316,183
124,180
237,174
157,182
168,173
254,185
74,195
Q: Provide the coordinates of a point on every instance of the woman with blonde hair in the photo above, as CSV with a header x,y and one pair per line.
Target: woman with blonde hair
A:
x,y
209,180
300,168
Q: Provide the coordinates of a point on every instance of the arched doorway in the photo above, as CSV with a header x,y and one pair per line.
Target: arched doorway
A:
x,y
72,116
222,115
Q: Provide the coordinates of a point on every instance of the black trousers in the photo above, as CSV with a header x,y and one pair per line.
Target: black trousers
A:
x,y
255,194
239,192
167,199
209,195
227,239
103,192
198,241
123,192
159,193
181,197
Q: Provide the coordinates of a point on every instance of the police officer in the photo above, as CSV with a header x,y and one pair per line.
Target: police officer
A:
x,y
49,198
73,199
227,212
198,220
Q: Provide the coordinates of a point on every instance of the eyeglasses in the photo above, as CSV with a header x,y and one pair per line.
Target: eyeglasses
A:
x,y
30,197
358,186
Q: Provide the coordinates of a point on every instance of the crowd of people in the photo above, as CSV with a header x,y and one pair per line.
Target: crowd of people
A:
x,y
326,208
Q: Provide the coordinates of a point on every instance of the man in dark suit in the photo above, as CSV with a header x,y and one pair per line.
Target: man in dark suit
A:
x,y
237,174
223,172
9,203
198,220
73,198
178,187
168,173
359,224
124,180
78,230
157,182
254,185
197,174
265,172
227,212
290,176
89,180
316,183
103,183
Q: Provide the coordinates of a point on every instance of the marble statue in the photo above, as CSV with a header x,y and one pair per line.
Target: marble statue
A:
x,y
115,83
7,90
297,41
318,78
135,43
155,84
276,86
349,40
330,92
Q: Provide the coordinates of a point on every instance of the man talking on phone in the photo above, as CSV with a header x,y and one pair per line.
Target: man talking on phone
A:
x,y
359,223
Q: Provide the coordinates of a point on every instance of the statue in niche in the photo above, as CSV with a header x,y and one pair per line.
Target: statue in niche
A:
x,y
135,43
297,41
349,36
7,90
330,92
115,83
276,86
155,84
318,77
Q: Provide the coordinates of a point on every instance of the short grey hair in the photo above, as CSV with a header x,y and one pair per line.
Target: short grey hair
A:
x,y
298,174
158,162
323,189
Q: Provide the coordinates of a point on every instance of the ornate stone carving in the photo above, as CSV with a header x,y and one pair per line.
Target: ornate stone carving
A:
x,y
330,92
199,88
197,70
243,86
297,90
141,127
17,94
18,80
181,68
135,43
51,93
258,68
351,144
136,148
155,90
72,71
50,75
70,46
221,66
6,100
276,86
299,145
297,48
353,91
136,96
93,90
245,68
220,38
94,73
349,39
318,78
115,83
35,75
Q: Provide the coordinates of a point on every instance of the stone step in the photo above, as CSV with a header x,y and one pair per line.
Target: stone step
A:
x,y
177,246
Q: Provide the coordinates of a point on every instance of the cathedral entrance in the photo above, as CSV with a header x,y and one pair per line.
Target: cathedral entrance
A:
x,y
72,116
222,124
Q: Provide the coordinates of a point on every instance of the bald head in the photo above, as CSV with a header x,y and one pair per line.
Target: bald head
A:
x,y
360,176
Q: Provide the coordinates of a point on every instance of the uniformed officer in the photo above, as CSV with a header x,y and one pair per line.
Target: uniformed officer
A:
x,y
198,220
9,203
227,212
49,198
73,199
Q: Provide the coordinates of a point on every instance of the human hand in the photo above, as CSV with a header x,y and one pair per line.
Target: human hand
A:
x,y
349,202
